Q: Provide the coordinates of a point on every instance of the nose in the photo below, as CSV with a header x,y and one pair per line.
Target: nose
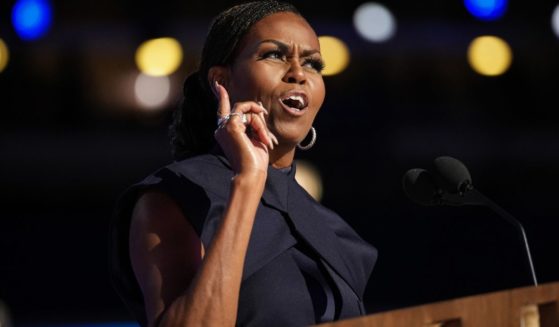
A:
x,y
295,74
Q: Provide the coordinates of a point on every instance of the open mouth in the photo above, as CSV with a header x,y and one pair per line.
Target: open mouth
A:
x,y
295,102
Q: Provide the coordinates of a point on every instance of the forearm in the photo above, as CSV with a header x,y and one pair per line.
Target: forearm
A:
x,y
212,297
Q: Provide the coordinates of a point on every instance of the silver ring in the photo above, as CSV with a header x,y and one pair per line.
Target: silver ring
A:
x,y
222,120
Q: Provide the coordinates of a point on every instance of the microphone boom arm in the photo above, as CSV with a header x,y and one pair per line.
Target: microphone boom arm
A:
x,y
474,197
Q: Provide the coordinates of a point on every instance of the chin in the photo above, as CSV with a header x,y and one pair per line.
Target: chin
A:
x,y
289,134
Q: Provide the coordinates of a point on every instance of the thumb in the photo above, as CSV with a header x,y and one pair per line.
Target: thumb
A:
x,y
224,106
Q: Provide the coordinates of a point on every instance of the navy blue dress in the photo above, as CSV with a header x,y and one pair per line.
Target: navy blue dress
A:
x,y
304,264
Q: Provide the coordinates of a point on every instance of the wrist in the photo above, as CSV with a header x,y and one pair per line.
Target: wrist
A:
x,y
250,178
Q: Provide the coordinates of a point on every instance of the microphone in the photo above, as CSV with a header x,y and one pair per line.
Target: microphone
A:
x,y
451,184
420,187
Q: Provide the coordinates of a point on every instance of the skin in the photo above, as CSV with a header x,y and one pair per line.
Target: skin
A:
x,y
184,284
259,74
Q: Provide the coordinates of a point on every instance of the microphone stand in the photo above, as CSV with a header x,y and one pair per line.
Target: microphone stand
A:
x,y
473,197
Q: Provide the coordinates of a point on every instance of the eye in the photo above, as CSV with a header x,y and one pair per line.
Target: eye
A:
x,y
274,54
314,63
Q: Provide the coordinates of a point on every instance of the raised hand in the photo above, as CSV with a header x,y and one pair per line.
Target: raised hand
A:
x,y
247,150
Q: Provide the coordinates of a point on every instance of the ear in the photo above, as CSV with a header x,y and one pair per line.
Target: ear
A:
x,y
219,74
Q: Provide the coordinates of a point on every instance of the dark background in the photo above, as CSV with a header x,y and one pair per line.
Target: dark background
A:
x,y
69,145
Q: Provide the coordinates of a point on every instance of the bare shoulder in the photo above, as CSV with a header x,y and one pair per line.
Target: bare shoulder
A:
x,y
156,209
165,250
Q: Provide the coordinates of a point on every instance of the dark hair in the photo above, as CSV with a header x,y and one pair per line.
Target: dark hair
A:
x,y
195,120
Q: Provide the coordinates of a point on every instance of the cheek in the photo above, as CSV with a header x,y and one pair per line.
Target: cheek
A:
x,y
238,89
252,83
319,93
266,79
240,83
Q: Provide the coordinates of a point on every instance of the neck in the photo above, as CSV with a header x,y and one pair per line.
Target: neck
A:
x,y
281,157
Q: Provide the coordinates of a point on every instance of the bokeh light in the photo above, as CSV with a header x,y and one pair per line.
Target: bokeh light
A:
x,y
84,324
489,55
308,177
159,57
4,55
152,92
555,20
374,22
31,18
334,53
486,9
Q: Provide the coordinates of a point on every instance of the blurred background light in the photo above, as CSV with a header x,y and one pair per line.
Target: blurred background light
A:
x,y
159,57
486,9
489,55
334,53
73,100
85,324
4,55
555,20
308,177
374,22
32,18
152,92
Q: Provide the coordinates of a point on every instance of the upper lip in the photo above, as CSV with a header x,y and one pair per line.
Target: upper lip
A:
x,y
299,93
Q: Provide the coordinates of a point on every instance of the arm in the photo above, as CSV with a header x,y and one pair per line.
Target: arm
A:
x,y
179,287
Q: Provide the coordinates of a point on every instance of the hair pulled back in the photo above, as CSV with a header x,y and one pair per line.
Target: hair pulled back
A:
x,y
195,119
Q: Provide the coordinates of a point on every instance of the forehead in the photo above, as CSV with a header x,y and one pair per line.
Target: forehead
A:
x,y
286,27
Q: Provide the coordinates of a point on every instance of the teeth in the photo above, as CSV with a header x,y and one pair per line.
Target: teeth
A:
x,y
297,98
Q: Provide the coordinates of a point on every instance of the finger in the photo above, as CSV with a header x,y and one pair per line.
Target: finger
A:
x,y
272,136
224,107
259,130
262,106
259,110
248,107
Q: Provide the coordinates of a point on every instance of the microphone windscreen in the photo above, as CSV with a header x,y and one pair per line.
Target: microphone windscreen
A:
x,y
452,175
420,186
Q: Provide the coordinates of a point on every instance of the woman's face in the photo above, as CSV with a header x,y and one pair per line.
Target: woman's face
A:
x,y
279,64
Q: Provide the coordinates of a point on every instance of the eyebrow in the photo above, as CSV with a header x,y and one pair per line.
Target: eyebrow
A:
x,y
285,48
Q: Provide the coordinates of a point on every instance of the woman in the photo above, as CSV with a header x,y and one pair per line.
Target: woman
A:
x,y
225,235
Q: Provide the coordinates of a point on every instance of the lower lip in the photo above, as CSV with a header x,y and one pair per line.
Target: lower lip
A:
x,y
293,111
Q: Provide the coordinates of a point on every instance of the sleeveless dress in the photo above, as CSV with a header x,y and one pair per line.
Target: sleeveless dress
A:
x,y
304,264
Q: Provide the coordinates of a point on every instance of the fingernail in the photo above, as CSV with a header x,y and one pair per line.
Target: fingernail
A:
x,y
274,138
262,106
270,143
215,89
